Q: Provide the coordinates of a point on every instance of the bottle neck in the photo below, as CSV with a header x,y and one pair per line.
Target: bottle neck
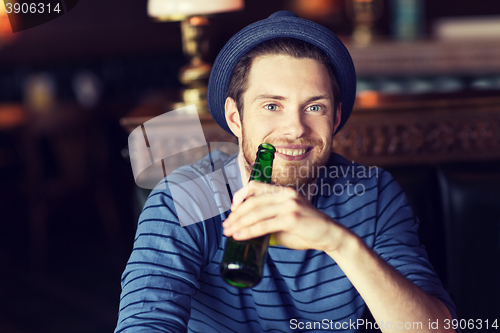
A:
x,y
263,166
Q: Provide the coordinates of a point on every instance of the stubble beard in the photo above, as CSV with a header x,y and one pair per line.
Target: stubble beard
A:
x,y
293,174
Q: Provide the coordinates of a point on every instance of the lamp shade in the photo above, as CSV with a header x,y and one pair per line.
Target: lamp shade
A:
x,y
179,9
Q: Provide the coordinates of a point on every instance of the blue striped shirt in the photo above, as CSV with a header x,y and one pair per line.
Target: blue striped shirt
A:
x,y
172,282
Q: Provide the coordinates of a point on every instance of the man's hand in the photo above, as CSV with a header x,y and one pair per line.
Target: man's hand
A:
x,y
259,209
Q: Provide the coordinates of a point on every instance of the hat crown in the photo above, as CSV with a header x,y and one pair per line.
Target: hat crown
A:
x,y
282,13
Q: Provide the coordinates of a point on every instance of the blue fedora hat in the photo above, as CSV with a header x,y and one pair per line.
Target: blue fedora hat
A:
x,y
280,24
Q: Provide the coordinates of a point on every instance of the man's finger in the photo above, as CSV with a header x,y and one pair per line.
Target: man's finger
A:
x,y
255,203
262,228
239,196
252,188
251,216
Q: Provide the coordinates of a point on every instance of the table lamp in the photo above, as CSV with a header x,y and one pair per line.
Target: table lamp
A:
x,y
193,17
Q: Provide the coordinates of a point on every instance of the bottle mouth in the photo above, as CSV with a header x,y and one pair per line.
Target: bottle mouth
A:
x,y
266,151
267,146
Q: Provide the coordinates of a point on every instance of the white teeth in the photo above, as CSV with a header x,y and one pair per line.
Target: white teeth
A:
x,y
292,152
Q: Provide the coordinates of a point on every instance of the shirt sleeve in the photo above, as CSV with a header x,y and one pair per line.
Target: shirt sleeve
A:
x,y
162,273
178,233
396,240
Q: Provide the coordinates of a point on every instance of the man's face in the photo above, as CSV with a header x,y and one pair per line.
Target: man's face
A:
x,y
289,103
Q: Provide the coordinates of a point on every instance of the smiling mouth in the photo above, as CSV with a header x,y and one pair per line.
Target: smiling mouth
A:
x,y
293,152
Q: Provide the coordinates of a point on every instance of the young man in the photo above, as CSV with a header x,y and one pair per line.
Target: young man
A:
x,y
345,234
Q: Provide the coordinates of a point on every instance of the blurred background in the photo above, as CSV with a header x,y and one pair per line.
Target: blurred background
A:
x,y
72,89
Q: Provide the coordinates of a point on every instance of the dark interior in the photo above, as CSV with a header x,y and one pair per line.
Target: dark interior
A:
x,y
68,201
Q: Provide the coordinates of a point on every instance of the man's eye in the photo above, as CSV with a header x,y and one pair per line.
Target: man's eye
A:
x,y
271,107
314,108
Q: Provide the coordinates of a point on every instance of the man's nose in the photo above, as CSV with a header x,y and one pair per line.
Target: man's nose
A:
x,y
293,124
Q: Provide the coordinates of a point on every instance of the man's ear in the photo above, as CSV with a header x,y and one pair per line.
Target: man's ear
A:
x,y
233,117
337,118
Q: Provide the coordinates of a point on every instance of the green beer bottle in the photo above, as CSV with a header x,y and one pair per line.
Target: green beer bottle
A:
x,y
243,260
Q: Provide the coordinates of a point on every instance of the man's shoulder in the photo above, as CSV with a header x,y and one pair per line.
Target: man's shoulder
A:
x,y
211,162
349,185
198,192
215,160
